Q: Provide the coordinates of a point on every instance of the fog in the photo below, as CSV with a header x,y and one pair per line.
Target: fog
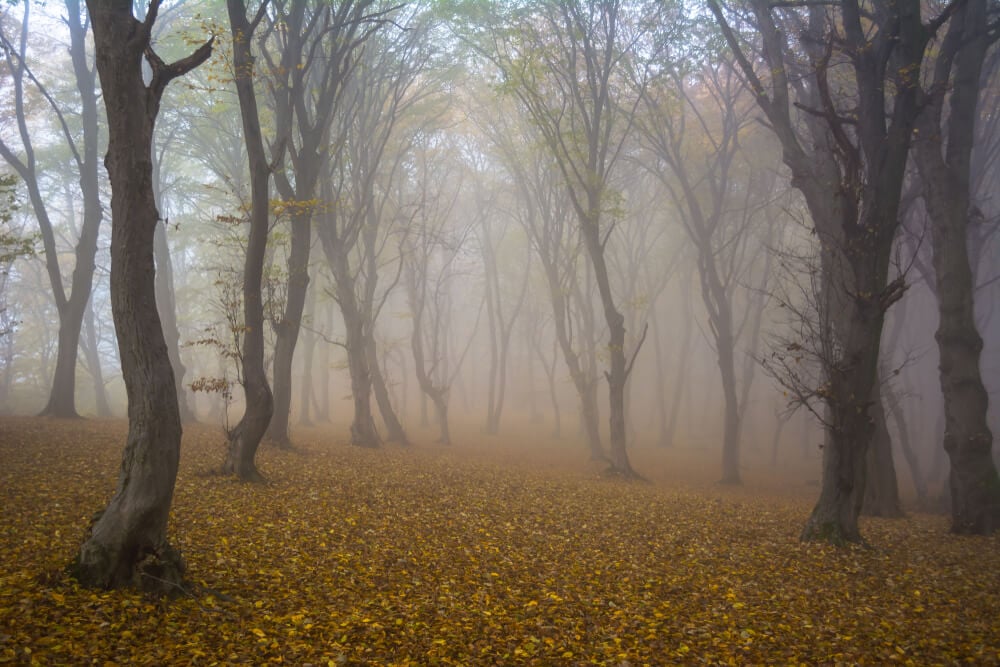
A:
x,y
456,207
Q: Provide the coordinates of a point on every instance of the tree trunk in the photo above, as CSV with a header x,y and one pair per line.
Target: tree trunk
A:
x,y
127,545
307,394
849,429
681,379
93,354
287,330
245,437
167,308
363,431
618,373
881,487
550,376
394,428
731,410
903,433
975,486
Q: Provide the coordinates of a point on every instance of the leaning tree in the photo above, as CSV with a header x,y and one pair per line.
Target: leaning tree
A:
x,y
127,544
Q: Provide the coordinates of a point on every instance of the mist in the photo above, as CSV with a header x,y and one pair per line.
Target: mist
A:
x,y
579,236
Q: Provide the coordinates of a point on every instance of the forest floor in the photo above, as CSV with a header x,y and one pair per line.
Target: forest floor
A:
x,y
491,552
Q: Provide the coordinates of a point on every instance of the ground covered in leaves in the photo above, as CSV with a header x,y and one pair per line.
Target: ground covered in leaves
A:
x,y
475,555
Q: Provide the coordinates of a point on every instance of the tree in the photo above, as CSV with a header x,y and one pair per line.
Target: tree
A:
x,y
693,131
567,65
943,154
500,318
545,213
72,306
433,251
316,47
127,544
847,153
357,221
245,437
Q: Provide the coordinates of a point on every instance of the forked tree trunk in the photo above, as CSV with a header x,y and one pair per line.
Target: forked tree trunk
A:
x,y
852,184
617,374
127,545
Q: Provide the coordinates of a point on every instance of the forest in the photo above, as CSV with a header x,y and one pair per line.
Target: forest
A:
x,y
625,332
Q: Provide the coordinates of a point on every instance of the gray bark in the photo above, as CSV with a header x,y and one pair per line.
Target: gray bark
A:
x,y
945,171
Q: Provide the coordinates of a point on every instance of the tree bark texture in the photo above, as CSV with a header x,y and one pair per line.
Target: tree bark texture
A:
x,y
127,545
945,171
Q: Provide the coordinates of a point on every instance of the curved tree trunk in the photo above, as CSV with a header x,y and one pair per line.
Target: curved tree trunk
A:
x,y
245,437
127,545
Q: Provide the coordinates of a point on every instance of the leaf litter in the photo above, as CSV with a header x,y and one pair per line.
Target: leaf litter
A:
x,y
428,556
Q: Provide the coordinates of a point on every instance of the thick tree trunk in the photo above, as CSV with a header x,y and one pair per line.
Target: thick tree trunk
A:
x,y
244,439
849,429
975,486
363,431
127,545
62,399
